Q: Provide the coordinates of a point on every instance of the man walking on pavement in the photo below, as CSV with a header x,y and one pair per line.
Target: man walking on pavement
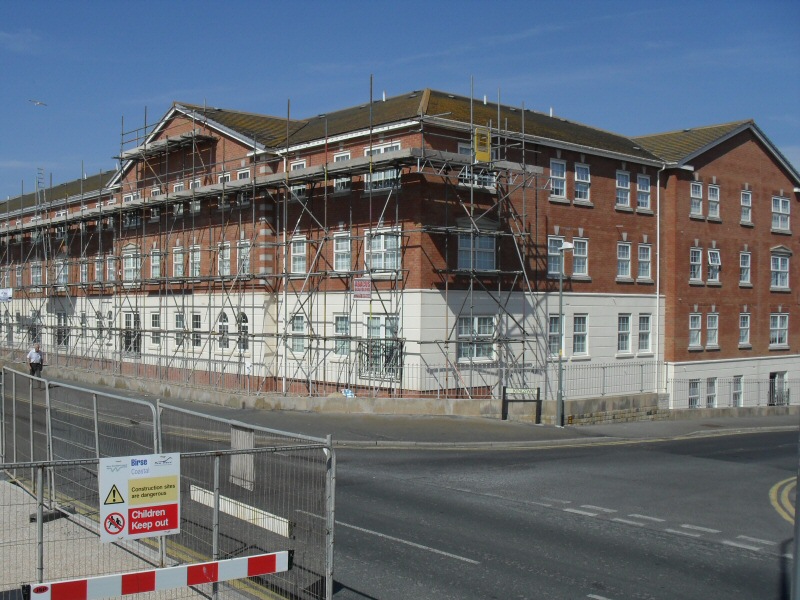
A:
x,y
35,360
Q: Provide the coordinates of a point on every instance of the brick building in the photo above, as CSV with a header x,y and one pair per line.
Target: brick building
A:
x,y
412,247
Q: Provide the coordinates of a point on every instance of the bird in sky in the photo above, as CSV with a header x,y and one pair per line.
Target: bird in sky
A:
x,y
37,102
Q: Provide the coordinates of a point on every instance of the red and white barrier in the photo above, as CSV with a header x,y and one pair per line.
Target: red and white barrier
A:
x,y
113,586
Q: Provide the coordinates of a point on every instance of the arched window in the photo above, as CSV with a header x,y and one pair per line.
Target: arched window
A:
x,y
243,330
223,331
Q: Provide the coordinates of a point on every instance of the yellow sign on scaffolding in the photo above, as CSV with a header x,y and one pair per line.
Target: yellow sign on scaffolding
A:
x,y
483,145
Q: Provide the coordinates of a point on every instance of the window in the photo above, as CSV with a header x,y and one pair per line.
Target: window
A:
x,y
132,333
341,184
623,189
62,272
180,327
382,180
744,268
780,271
712,330
711,392
155,192
744,330
243,174
580,335
62,331
224,178
382,354
643,192
224,259
558,178
243,257
341,329
582,183
695,264
243,331
111,268
475,335
299,257
197,325
155,264
714,266
713,202
623,333
554,268
342,260
297,342
84,272
383,251
623,260
694,393
645,271
695,325
736,391
36,274
155,329
177,262
554,334
476,252
580,257
194,261
194,206
644,333
778,329
747,207
18,275
194,184
298,190
696,199
178,187
177,209
131,265
780,213
222,329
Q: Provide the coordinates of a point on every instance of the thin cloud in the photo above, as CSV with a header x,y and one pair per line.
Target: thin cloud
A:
x,y
22,42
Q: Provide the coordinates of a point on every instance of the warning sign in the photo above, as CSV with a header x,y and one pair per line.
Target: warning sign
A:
x,y
114,497
142,496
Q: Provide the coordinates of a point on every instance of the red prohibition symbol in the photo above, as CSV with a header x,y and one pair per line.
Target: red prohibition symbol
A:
x,y
114,523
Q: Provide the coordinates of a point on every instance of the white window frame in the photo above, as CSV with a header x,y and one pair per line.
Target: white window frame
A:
x,y
476,338
580,257
694,393
341,332
555,336
224,177
712,330
37,274
558,178
737,390
341,184
155,264
84,271
696,264
376,246
178,262
714,265
746,202
781,212
242,332
297,342
696,199
62,272
111,267
644,265
580,335
298,257
297,190
476,252
583,183
224,259
623,187
624,333
745,262
554,255
178,187
155,329
223,331
342,252
695,330
242,174
180,328
778,330
713,201
197,328
711,392
195,261
779,271
744,330
623,260
243,257
644,344
131,266
643,192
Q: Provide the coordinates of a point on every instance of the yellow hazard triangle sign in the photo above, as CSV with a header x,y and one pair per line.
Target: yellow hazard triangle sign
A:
x,y
114,497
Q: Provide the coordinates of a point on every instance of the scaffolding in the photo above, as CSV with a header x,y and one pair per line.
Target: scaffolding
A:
x,y
135,276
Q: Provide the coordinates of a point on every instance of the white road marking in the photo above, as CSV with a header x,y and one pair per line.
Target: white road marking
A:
x,y
580,512
598,508
407,543
245,512
756,540
628,522
656,519
686,533
596,597
790,556
737,545
538,503
703,529
557,500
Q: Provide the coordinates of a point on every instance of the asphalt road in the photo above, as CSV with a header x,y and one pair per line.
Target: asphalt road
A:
x,y
657,520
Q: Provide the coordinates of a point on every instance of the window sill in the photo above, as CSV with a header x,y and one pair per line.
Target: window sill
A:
x,y
623,208
781,231
474,361
780,290
778,347
643,354
749,224
584,203
624,355
695,348
645,281
582,278
697,217
743,284
697,282
644,211
714,219
580,358
714,283
384,276
745,346
559,200
624,280
712,348
337,193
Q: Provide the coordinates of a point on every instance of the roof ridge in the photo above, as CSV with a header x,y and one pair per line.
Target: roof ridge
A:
x,y
209,111
698,128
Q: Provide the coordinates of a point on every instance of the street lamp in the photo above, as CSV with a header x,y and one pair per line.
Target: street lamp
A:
x,y
560,398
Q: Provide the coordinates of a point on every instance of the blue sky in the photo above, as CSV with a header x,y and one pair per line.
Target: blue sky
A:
x,y
629,67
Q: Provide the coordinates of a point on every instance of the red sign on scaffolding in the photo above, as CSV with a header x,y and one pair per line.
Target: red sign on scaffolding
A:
x,y
362,288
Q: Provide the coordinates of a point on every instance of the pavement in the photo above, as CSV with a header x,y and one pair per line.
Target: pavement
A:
x,y
393,431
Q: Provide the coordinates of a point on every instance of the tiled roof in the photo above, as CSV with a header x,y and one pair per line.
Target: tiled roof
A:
x,y
87,185
674,146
